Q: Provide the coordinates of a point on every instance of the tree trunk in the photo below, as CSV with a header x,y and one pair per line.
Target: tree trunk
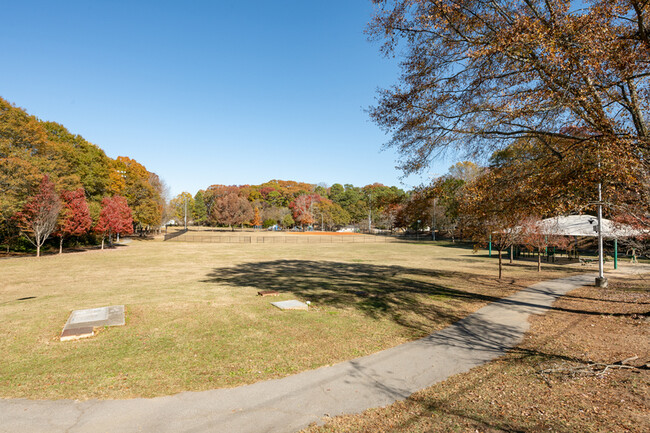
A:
x,y
512,252
103,237
38,250
60,244
539,260
500,264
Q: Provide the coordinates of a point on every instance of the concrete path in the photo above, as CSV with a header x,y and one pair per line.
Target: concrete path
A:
x,y
292,403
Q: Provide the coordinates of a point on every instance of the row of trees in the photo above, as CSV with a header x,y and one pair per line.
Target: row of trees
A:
x,y
289,203
31,149
67,214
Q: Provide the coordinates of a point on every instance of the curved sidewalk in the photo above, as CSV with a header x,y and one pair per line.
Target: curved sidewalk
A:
x,y
292,403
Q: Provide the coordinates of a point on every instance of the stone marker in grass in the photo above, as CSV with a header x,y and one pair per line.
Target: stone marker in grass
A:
x,y
80,324
291,305
263,293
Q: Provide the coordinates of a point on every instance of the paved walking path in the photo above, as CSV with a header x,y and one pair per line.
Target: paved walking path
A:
x,y
292,403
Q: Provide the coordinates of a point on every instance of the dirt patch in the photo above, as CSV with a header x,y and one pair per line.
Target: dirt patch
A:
x,y
556,380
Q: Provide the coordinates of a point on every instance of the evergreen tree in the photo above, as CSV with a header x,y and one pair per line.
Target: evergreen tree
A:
x,y
200,209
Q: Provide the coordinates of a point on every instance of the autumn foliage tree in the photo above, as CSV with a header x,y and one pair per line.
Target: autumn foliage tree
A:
x,y
537,236
481,71
38,218
489,214
74,219
571,77
231,210
257,219
115,217
182,207
142,190
302,208
330,214
31,148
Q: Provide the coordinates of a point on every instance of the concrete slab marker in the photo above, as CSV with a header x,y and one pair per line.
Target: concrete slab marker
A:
x,y
80,324
77,333
291,305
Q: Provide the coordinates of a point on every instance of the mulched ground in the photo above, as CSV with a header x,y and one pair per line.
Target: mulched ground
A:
x,y
566,376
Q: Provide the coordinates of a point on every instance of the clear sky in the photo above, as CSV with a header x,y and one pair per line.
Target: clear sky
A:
x,y
205,92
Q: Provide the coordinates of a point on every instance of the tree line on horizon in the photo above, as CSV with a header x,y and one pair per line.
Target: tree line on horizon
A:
x,y
56,183
288,204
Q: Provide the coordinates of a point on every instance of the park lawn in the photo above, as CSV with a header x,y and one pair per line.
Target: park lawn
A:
x,y
194,322
543,384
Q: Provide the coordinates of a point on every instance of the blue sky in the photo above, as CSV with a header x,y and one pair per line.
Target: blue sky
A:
x,y
205,92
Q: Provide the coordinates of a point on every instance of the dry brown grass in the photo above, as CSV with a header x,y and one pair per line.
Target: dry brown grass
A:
x,y
194,321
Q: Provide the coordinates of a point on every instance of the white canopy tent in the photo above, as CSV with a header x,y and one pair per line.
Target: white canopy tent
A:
x,y
585,225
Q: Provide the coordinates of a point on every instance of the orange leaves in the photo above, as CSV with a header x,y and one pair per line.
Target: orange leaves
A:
x,y
479,75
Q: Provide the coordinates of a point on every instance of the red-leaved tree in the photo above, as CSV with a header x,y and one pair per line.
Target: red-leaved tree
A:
x,y
75,217
114,218
302,208
38,218
232,209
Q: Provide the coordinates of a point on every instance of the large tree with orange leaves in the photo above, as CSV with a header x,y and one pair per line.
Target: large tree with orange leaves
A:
x,y
481,72
569,77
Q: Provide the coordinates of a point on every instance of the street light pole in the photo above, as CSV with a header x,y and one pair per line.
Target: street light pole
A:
x,y
601,281
369,212
185,214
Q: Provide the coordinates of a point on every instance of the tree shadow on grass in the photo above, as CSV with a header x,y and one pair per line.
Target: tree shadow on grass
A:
x,y
408,296
397,292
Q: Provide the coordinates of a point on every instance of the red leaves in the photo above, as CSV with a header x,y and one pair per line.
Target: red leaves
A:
x,y
115,216
302,208
76,218
232,209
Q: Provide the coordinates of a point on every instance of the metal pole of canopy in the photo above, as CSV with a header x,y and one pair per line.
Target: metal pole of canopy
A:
x,y
615,253
490,246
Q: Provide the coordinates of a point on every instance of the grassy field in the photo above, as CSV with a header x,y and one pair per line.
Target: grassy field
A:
x,y
194,322
556,380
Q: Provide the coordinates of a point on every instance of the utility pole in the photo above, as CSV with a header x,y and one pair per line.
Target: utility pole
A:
x,y
433,221
369,212
185,213
601,281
